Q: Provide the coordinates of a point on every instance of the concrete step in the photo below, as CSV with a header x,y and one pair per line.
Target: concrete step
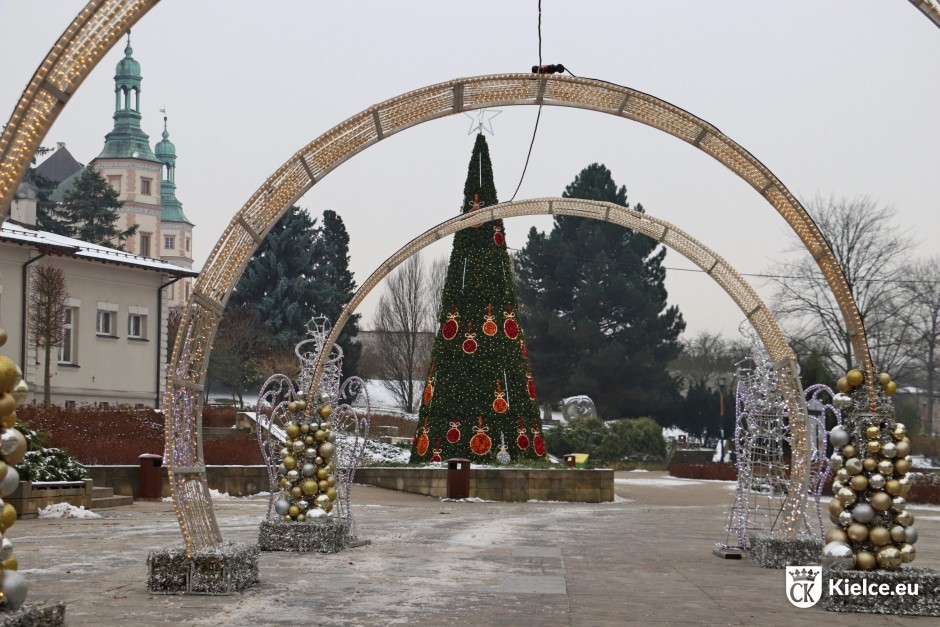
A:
x,y
101,493
111,501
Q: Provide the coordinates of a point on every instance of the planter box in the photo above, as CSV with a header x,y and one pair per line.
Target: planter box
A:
x,y
30,497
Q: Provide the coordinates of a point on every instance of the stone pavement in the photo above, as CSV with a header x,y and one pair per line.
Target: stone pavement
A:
x,y
645,559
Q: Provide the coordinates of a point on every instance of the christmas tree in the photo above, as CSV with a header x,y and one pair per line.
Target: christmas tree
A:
x,y
479,388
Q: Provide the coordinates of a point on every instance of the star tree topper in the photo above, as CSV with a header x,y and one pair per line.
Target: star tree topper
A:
x,y
482,121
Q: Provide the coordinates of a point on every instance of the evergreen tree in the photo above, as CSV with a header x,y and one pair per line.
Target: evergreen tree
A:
x,y
301,270
595,302
48,215
90,210
479,389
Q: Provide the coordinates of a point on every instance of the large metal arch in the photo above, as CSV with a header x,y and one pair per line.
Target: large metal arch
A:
x,y
714,265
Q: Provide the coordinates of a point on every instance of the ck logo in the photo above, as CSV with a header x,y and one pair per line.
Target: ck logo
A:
x,y
804,585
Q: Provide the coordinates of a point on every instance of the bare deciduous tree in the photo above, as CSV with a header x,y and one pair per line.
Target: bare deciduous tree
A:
x,y
241,345
402,320
705,356
921,317
437,274
870,248
48,294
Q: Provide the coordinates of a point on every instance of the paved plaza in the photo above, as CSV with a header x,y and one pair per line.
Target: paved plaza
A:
x,y
645,559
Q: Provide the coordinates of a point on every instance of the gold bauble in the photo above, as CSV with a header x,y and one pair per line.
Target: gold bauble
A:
x,y
294,511
326,426
17,454
884,379
858,532
906,439
9,421
301,405
904,518
879,536
858,483
305,428
901,466
881,501
290,462
283,482
853,466
7,517
864,560
309,487
329,506
900,431
326,450
331,481
849,451
838,535
903,449
8,374
874,446
854,377
292,407
907,553
325,412
843,385
842,475
869,464
322,472
836,507
309,440
889,558
891,389
322,501
331,493
885,467
4,469
846,495
12,564
20,392
7,404
301,517
873,432
893,487
296,492
322,485
293,430
3,337
320,435
897,533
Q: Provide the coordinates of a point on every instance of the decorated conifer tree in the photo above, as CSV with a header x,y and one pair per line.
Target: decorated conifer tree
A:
x,y
479,387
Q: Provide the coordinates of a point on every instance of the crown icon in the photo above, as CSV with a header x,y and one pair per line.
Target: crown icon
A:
x,y
803,575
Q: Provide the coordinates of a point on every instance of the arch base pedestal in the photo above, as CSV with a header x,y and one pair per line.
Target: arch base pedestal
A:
x,y
222,569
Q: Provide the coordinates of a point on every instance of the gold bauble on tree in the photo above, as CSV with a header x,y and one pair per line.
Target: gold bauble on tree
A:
x,y
843,385
3,337
903,448
7,404
854,377
884,379
13,564
838,535
290,462
836,507
881,501
9,374
857,532
901,466
293,430
879,536
869,464
891,389
874,446
889,558
859,483
873,432
8,421
893,487
7,517
849,451
864,560
904,518
325,412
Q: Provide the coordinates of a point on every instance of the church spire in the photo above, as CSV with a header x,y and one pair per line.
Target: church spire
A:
x,y
127,139
166,152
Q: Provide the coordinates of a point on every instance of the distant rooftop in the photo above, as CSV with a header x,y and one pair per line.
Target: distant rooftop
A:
x,y
60,166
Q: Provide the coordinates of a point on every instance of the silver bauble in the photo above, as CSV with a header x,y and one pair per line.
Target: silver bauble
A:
x,y
327,449
311,452
322,501
20,392
853,466
836,461
877,481
836,486
845,518
899,504
8,441
910,534
14,589
503,457
838,553
281,470
323,397
842,401
839,437
318,460
309,470
303,505
281,506
6,549
834,519
10,483
293,475
297,445
331,437
863,512
284,452
889,450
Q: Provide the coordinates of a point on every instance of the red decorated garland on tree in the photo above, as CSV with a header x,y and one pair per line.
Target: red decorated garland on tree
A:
x,y
470,344
423,442
429,387
510,326
453,434
538,444
489,327
522,440
530,385
450,327
525,351
480,443
475,207
498,238
437,451
499,403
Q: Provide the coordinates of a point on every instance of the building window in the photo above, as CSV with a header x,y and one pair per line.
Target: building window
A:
x,y
145,187
169,242
144,245
186,286
136,326
105,323
69,404
67,350
187,244
115,183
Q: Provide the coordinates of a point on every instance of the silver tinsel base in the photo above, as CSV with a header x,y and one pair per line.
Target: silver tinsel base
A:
x,y
324,535
223,569
925,603
770,551
40,615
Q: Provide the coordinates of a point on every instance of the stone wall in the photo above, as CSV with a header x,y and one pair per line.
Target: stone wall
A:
x,y
234,480
29,497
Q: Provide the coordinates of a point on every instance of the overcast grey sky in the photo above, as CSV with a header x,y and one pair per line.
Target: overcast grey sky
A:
x,y
836,97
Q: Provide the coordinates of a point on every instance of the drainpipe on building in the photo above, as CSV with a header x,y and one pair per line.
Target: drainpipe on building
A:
x,y
160,333
25,326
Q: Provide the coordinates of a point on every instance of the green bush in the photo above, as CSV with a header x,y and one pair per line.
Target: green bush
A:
x,y
46,464
627,439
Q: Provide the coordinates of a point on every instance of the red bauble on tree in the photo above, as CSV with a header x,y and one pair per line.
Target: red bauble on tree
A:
x,y
530,385
538,444
525,351
510,326
522,440
423,442
498,238
480,443
499,403
449,328
470,344
453,434
436,457
429,388
476,206
489,327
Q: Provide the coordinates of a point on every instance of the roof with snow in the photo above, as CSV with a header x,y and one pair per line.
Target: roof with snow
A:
x,y
59,244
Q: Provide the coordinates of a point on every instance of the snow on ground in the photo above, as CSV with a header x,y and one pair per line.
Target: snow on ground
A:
x,y
666,481
382,401
66,510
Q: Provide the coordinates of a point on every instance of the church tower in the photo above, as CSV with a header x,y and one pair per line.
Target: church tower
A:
x,y
128,163
176,231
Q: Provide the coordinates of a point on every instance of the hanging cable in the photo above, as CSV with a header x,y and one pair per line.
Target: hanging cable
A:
x,y
538,115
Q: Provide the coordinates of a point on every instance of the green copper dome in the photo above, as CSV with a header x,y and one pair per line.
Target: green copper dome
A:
x,y
128,67
165,150
127,140
172,207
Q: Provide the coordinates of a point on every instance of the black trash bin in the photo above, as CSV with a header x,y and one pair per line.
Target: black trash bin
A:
x,y
458,478
150,476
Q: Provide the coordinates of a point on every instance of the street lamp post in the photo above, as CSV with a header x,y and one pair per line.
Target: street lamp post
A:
x,y
723,381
